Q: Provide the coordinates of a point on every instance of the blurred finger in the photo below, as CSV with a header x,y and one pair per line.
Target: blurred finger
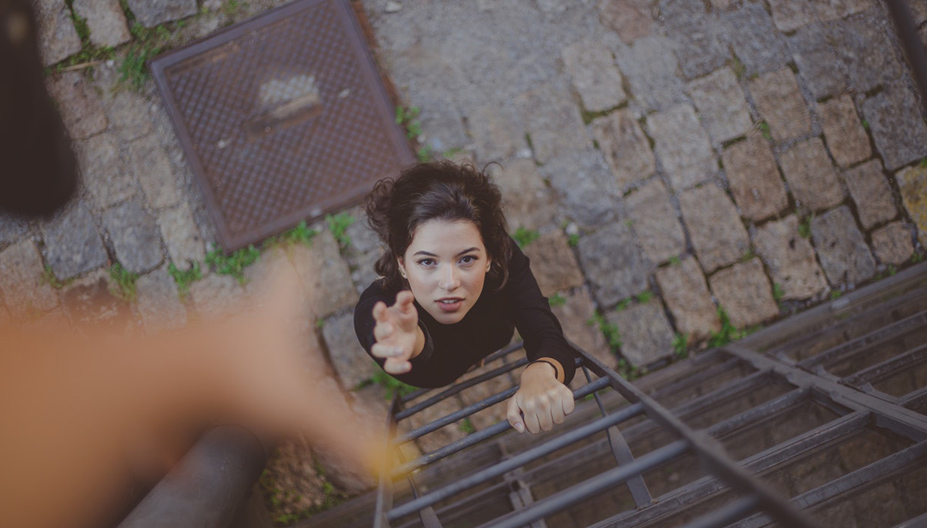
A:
x,y
513,413
379,311
382,331
397,366
384,350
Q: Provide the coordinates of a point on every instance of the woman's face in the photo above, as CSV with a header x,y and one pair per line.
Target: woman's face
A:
x,y
446,266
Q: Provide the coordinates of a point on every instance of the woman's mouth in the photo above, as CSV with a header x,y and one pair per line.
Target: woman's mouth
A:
x,y
450,304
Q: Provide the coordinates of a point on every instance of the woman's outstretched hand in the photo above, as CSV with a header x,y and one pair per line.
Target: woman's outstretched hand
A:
x,y
397,333
540,402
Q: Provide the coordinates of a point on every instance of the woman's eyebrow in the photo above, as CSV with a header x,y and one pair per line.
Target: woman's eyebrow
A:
x,y
427,254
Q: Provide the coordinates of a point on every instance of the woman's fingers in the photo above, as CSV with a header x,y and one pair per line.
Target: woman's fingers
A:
x,y
379,311
397,366
383,350
566,401
513,413
382,330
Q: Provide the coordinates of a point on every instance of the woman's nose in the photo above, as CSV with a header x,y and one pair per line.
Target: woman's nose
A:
x,y
449,279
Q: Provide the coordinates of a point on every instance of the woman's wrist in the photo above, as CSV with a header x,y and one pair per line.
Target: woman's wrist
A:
x,y
550,366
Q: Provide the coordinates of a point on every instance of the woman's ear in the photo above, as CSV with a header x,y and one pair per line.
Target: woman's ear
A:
x,y
488,265
402,268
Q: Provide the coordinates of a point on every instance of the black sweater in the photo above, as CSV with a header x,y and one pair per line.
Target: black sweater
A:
x,y
450,350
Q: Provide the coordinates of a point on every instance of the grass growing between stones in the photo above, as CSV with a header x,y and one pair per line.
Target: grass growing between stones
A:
x,y
301,234
609,331
392,385
48,277
556,300
681,346
132,70
466,426
284,504
338,225
184,278
524,237
89,54
233,264
123,283
728,332
628,371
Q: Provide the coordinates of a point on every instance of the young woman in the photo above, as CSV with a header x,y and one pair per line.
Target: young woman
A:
x,y
453,288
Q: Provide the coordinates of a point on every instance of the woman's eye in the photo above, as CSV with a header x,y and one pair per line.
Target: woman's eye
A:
x,y
468,259
427,262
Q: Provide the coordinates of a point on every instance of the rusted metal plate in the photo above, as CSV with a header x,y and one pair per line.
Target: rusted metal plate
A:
x,y
283,117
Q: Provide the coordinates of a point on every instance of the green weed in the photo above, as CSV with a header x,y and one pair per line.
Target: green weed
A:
x,y
573,240
233,264
674,260
835,294
48,277
609,331
644,297
628,371
681,346
728,332
423,154
524,237
301,234
739,69
917,257
132,70
392,385
804,227
184,278
623,305
124,283
231,7
777,292
451,152
466,426
764,129
556,300
865,124
338,225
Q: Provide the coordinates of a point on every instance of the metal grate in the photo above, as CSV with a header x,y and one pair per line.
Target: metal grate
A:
x,y
282,117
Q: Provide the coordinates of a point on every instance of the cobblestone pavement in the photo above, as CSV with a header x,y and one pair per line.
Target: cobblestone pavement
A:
x,y
670,159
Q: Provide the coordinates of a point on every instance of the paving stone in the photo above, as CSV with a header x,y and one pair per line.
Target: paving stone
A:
x,y
443,436
790,15
90,303
846,137
745,293
595,76
21,271
553,263
11,228
646,335
150,13
756,42
574,315
812,179
624,146
181,236
217,295
78,104
135,237
553,122
153,170
844,254
717,234
103,172
585,188
105,20
892,243
900,135
614,266
128,112
863,45
790,259
495,135
682,146
158,303
827,10
655,222
698,37
442,124
486,389
57,37
871,192
817,61
912,182
631,19
686,296
72,244
324,274
527,201
721,104
754,178
781,105
349,359
650,66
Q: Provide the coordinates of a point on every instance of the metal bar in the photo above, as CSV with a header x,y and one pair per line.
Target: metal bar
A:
x,y
913,49
385,488
456,415
861,344
890,366
479,436
590,487
454,389
574,435
728,514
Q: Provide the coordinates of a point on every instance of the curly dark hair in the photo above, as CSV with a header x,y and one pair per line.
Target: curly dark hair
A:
x,y
438,190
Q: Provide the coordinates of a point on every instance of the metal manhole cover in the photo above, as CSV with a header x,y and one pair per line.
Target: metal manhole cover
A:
x,y
282,118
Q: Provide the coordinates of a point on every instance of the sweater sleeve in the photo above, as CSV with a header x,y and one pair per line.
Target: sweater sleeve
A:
x,y
535,321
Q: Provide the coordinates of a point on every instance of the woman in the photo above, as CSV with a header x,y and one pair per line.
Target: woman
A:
x,y
453,288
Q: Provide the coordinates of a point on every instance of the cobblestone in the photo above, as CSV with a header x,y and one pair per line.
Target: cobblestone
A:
x,y
754,178
595,75
827,10
745,293
527,201
216,295
103,172
324,274
79,106
128,113
105,20
812,179
351,362
134,235
817,61
781,104
889,112
864,47
57,37
152,167
844,254
646,335
182,236
698,37
892,244
553,263
575,315
158,304
442,124
613,264
150,13
585,189
846,137
479,392
790,15
442,436
11,228
90,303
871,192
686,296
494,134
717,234
790,259
650,69
631,19
553,122
720,102
624,146
912,182
755,40
682,146
24,291
655,222
72,243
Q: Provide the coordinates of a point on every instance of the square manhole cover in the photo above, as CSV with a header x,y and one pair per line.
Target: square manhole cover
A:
x,y
282,118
